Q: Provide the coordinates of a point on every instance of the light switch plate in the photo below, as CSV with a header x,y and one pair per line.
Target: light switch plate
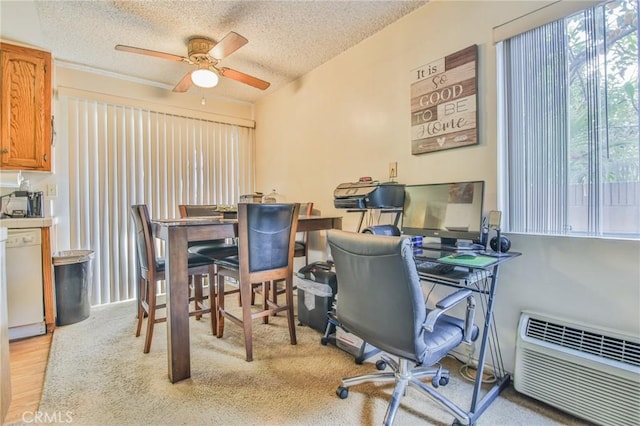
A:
x,y
393,169
52,190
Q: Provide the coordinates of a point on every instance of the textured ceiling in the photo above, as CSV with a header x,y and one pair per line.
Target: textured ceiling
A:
x,y
286,38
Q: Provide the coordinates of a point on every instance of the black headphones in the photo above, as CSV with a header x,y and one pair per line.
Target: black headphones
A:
x,y
505,244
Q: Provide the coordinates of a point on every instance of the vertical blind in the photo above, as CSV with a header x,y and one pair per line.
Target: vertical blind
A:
x,y
121,155
536,118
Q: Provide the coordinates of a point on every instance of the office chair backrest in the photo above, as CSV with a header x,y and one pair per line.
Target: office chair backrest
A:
x,y
270,234
144,237
379,295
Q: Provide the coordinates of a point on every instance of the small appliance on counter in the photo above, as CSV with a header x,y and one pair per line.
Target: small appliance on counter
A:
x,y
23,204
36,203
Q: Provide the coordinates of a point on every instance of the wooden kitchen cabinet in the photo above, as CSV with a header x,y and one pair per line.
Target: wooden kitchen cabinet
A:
x,y
25,108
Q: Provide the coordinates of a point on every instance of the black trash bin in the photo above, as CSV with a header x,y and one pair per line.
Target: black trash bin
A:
x,y
73,275
317,287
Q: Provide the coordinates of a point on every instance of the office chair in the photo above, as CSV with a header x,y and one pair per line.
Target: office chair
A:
x,y
365,351
151,270
381,301
266,234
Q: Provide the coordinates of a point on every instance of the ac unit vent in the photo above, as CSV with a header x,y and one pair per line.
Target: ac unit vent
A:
x,y
588,371
584,341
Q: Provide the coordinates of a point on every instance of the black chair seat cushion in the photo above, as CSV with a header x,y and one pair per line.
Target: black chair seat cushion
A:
x,y
193,261
231,262
214,249
447,335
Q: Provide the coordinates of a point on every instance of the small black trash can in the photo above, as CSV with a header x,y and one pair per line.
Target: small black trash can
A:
x,y
73,275
317,287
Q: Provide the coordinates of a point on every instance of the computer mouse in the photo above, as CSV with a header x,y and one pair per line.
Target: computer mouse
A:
x,y
465,255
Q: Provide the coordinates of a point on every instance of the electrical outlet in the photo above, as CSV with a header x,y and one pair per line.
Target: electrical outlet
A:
x,y
52,190
393,169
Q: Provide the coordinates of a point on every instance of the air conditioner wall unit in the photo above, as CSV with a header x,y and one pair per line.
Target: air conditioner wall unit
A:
x,y
586,371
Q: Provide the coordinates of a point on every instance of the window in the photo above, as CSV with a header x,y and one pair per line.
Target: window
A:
x,y
569,125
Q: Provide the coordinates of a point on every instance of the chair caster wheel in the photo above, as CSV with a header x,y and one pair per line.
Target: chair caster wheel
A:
x,y
439,381
381,365
324,341
342,392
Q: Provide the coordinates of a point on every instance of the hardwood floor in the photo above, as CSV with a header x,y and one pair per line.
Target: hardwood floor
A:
x,y
28,361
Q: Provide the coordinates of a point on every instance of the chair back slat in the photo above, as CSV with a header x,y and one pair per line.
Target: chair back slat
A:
x,y
145,243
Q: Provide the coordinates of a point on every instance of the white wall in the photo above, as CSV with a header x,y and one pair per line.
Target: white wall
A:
x,y
351,117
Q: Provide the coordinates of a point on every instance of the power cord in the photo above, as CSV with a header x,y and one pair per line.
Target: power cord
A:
x,y
426,300
469,371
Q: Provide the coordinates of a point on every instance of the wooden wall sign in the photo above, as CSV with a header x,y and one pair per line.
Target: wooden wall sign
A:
x,y
444,103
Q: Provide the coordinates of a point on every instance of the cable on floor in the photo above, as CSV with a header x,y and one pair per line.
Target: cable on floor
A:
x,y
469,372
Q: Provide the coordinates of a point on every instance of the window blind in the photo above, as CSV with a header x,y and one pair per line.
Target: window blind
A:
x,y
536,119
121,155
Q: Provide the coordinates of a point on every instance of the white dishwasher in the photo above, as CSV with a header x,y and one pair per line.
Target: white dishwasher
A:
x,y
25,295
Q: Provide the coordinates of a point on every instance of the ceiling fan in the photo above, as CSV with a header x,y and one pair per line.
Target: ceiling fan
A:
x,y
205,54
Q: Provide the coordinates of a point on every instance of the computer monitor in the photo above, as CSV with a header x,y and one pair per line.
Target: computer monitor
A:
x,y
449,211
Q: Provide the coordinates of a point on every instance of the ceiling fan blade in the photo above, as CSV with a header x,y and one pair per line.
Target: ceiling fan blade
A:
x,y
244,78
229,44
148,52
184,84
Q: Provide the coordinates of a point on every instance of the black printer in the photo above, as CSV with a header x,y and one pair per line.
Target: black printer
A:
x,y
369,194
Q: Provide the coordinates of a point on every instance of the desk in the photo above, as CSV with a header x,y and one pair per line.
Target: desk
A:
x,y
483,281
177,233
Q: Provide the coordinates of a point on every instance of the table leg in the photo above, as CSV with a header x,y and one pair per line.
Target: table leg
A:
x,y
178,350
245,297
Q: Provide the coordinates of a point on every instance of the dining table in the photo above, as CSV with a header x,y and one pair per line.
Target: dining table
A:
x,y
176,234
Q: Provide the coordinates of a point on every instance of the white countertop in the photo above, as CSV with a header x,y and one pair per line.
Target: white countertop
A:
x,y
27,222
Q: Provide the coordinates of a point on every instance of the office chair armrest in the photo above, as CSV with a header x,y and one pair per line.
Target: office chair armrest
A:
x,y
444,305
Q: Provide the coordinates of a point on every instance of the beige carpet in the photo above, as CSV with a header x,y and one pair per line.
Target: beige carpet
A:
x,y
98,375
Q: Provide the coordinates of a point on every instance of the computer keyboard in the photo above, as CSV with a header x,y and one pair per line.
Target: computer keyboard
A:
x,y
434,267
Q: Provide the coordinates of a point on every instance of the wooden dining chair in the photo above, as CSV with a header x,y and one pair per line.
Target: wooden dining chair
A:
x,y
301,249
266,234
208,210
151,269
212,249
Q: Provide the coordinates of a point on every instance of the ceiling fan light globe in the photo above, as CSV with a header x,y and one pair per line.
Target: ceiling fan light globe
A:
x,y
204,78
